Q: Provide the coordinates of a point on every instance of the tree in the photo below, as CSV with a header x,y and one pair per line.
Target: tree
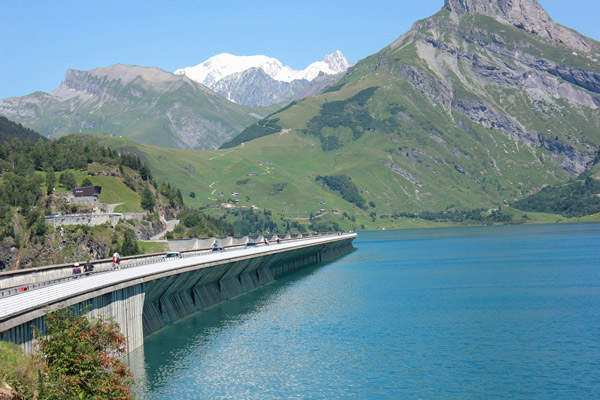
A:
x,y
50,181
39,228
81,356
129,246
145,172
148,200
67,179
86,182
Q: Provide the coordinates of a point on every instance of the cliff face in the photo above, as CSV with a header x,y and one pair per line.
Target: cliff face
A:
x,y
475,62
525,14
66,245
255,88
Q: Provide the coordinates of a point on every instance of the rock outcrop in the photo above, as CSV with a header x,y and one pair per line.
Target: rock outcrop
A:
x,y
475,60
525,14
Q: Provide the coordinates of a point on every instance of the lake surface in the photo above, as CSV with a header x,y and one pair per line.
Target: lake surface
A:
x,y
508,312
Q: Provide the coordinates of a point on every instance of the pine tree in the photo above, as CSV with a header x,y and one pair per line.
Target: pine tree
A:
x,y
50,181
148,200
129,246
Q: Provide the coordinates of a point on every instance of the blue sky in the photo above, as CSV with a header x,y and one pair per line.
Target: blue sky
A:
x,y
41,39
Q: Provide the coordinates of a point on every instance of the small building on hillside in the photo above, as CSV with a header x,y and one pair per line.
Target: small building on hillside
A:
x,y
87,195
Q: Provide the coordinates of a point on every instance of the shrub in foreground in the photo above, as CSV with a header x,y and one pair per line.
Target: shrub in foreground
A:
x,y
77,359
81,356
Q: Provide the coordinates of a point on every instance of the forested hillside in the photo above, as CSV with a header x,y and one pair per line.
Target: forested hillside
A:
x,y
35,176
10,130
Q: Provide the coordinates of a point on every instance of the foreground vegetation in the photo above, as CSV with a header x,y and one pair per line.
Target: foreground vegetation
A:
x,y
76,358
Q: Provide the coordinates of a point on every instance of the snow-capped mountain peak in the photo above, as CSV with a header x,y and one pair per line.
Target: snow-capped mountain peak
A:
x,y
223,65
263,81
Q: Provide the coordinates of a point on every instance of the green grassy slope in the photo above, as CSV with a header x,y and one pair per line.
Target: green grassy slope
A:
x,y
278,172
459,114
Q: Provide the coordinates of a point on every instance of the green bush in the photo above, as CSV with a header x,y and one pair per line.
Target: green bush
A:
x,y
573,199
129,246
77,358
81,358
261,128
148,200
67,179
347,113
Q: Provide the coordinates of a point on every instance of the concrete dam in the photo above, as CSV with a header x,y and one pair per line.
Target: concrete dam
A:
x,y
148,296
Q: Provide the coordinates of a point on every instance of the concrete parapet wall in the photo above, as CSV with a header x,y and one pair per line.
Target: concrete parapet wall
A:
x,y
203,243
133,216
83,219
239,240
36,276
197,244
84,200
183,244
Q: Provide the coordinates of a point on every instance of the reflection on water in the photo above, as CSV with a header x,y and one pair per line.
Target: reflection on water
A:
x,y
170,348
485,312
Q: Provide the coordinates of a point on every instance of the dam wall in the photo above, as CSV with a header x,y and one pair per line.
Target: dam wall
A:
x,y
145,298
12,281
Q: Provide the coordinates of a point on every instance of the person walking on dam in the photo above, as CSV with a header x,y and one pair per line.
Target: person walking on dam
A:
x,y
88,267
116,260
76,269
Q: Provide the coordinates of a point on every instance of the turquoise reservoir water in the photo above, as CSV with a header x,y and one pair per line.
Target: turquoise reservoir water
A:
x,y
510,312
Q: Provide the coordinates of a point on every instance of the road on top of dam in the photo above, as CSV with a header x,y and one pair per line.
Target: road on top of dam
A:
x,y
28,301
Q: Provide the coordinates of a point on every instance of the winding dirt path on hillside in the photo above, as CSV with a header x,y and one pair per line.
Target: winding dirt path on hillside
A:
x,y
211,186
221,155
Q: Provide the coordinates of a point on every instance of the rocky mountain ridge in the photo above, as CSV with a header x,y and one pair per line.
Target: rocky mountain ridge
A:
x,y
544,81
148,104
524,14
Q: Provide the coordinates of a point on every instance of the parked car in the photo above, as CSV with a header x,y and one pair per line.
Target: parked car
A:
x,y
218,249
172,255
